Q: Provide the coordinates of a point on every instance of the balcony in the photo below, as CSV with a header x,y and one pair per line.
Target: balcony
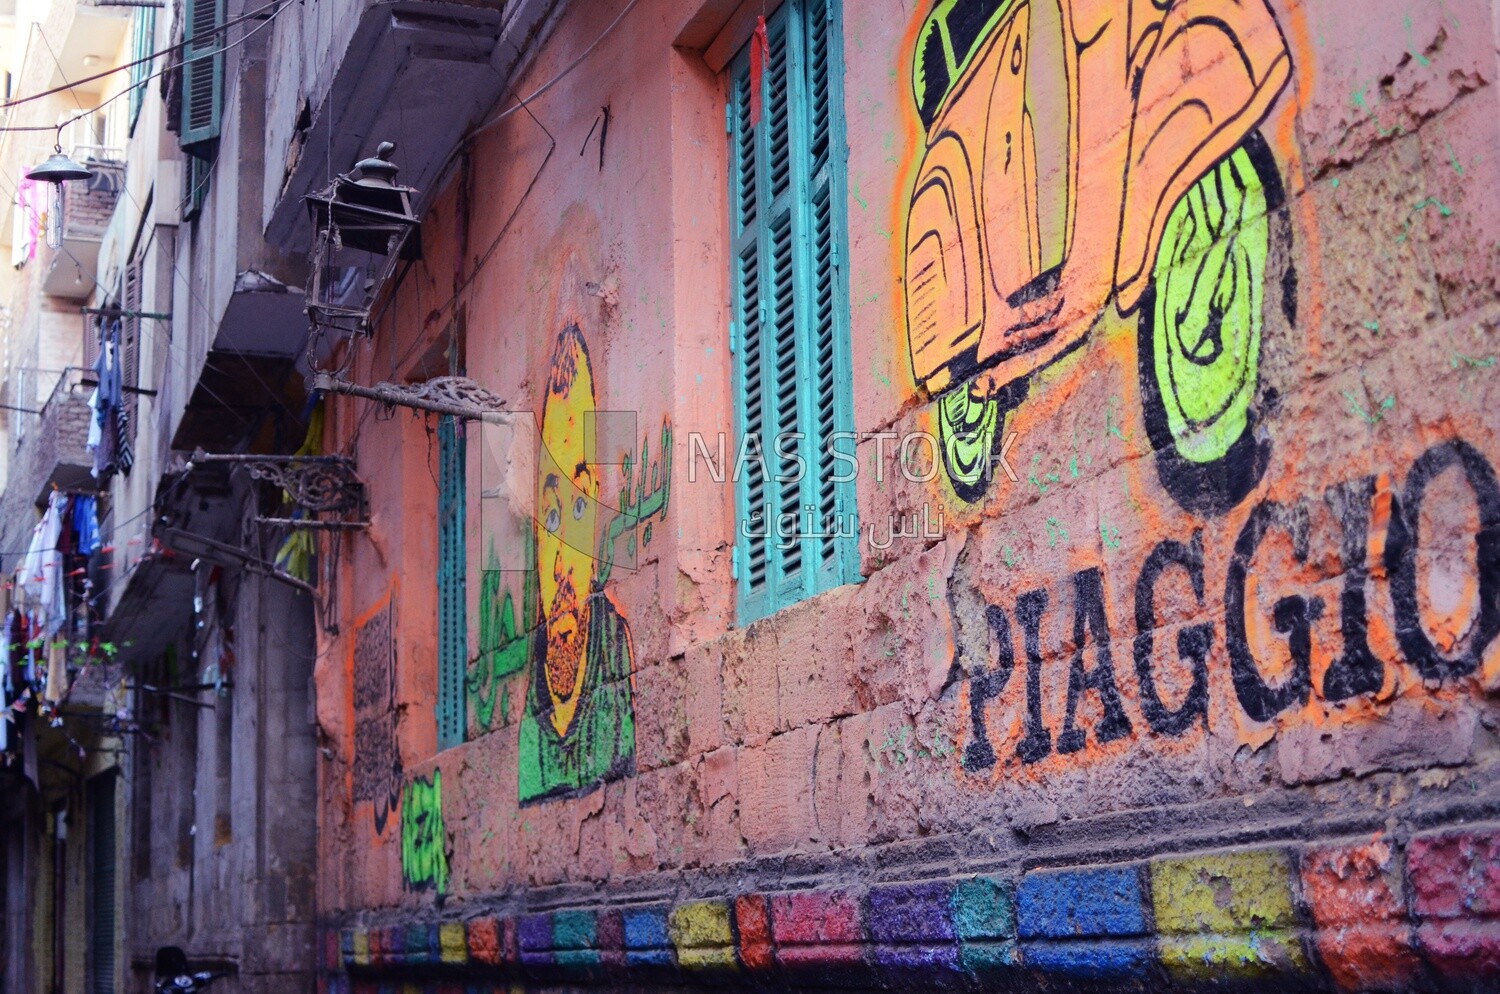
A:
x,y
56,452
94,31
50,449
71,270
420,73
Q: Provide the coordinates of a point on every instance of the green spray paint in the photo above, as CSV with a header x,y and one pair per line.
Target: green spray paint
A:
x,y
502,643
424,856
1210,280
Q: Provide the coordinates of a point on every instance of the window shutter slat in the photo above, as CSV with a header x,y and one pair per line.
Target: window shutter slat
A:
x,y
778,121
745,193
785,450
142,42
825,374
753,416
102,866
817,31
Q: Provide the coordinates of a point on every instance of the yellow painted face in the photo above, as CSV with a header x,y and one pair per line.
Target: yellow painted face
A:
x,y
567,501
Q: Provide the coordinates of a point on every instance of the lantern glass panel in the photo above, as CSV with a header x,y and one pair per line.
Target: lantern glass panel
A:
x,y
360,234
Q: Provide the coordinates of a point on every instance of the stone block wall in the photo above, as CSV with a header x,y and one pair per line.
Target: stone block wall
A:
x,y
1202,696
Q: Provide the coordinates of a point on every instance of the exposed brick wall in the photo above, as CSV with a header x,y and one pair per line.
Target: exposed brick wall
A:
x,y
86,213
58,437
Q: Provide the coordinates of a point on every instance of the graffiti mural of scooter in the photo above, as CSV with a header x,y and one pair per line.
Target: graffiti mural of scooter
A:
x,y
1083,150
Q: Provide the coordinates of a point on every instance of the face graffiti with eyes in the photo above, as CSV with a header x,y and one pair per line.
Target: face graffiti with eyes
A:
x,y
567,511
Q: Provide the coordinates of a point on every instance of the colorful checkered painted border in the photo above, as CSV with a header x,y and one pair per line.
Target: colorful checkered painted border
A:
x,y
1354,915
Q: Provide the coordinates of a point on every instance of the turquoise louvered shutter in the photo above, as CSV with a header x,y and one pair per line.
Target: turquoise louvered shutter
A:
x,y
453,629
142,42
830,422
790,316
202,71
753,550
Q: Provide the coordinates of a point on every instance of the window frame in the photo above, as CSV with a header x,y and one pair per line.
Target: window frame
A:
x,y
815,572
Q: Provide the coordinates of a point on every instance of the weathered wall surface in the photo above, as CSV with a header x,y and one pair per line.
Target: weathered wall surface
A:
x,y
1205,691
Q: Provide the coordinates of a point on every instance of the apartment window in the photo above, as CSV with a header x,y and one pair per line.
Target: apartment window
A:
x,y
796,531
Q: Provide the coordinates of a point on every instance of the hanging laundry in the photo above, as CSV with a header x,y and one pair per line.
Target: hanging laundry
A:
x,y
57,671
18,630
112,450
296,554
86,524
41,576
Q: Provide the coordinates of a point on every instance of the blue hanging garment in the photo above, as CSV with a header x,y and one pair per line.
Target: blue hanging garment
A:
x,y
86,524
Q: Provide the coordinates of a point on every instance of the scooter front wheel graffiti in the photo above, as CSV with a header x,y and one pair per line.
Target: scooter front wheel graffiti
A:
x,y
970,426
1202,329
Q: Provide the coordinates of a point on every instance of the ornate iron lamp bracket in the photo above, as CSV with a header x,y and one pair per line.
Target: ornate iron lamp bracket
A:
x,y
325,488
458,396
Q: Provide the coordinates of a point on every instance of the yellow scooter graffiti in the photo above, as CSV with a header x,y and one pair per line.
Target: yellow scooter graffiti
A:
x,y
1083,150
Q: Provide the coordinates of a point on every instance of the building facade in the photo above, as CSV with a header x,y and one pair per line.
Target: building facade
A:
x,y
1199,693
973,494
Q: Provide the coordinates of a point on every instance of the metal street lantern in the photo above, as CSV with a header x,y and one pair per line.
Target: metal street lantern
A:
x,y
362,224
57,170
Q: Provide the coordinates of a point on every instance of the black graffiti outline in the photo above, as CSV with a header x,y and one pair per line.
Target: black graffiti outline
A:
x,y
1357,670
1089,615
1194,642
1037,743
1292,616
1401,559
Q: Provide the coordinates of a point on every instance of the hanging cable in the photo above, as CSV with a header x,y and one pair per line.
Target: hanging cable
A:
x,y
250,15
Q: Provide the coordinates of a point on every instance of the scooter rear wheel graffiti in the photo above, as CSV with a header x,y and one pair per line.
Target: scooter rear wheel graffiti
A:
x,y
1203,327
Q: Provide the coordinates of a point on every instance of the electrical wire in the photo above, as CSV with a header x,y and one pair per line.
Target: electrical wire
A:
x,y
169,351
521,102
249,15
87,112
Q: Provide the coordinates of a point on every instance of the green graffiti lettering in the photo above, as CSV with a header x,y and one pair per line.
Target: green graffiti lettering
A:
x,y
424,855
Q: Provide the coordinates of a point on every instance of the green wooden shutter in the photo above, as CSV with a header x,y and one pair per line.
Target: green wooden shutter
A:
x,y
831,422
453,630
142,42
195,183
790,314
202,71
785,449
